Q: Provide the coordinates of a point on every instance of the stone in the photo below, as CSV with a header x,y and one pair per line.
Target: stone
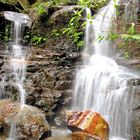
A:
x,y
75,136
60,138
1,63
88,122
29,121
64,85
84,136
62,16
133,63
136,123
32,68
24,3
31,100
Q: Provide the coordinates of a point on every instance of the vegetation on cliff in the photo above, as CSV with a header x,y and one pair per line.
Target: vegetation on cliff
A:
x,y
42,13
66,19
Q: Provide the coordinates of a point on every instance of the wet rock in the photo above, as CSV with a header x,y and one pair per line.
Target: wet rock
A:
x,y
75,136
9,90
62,16
29,122
133,63
60,138
136,113
32,68
84,136
66,75
1,63
88,122
63,85
31,100
134,82
136,123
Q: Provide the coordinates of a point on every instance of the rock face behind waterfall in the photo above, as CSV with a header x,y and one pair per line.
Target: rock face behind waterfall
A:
x,y
29,122
87,124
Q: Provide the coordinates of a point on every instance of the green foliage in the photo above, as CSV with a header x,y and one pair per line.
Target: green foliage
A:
x,y
72,30
9,1
41,7
23,3
132,30
97,4
129,37
58,2
37,40
5,35
100,38
126,54
85,3
112,36
34,39
56,33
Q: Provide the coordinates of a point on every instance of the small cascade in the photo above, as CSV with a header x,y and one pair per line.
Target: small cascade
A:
x,y
101,23
101,85
17,59
17,52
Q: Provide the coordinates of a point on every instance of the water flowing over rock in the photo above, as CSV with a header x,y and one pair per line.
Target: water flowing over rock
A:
x,y
27,122
51,68
16,52
19,17
101,85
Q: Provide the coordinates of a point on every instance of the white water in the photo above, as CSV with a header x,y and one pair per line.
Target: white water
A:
x,y
101,85
17,53
19,17
101,22
17,58
17,61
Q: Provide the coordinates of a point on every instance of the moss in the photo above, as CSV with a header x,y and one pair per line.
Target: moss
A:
x,y
25,4
9,1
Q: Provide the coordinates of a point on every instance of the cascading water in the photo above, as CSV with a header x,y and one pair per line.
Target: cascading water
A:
x,y
17,52
101,85
101,23
17,58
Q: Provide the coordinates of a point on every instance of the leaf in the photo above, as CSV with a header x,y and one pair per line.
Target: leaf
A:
x,y
126,55
71,20
127,36
132,29
100,38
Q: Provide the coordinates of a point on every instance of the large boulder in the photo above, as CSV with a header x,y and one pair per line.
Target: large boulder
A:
x,y
22,122
91,123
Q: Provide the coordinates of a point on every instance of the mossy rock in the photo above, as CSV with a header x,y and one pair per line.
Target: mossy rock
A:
x,y
24,3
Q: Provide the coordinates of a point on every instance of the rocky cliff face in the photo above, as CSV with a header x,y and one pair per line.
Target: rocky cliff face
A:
x,y
50,72
50,64
49,76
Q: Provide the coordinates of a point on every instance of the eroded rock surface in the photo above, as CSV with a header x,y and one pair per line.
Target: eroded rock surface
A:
x,y
50,74
90,123
28,122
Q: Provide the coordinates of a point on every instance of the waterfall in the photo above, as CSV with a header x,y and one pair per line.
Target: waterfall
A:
x,y
17,59
101,85
102,23
17,52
